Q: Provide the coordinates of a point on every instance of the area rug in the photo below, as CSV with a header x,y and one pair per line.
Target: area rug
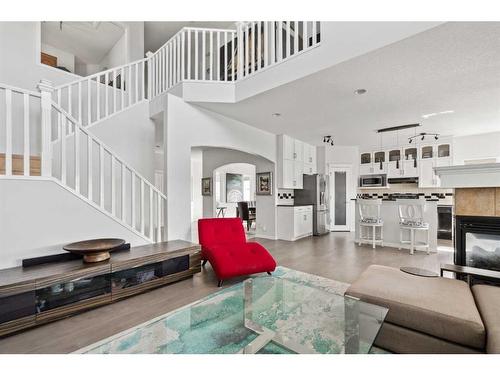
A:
x,y
174,333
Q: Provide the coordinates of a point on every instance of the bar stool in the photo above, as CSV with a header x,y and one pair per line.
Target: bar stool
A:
x,y
411,219
369,217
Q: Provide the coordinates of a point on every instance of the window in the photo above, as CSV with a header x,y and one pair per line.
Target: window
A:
x,y
247,192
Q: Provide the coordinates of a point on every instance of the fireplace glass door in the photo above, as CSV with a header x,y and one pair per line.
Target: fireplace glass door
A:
x,y
482,250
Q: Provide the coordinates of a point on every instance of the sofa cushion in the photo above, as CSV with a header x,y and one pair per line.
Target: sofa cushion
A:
x,y
230,260
437,306
488,302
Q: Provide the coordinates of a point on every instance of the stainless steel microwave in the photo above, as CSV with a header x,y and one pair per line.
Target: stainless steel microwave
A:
x,y
373,180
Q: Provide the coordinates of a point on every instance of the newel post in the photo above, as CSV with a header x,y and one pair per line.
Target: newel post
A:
x,y
149,55
46,89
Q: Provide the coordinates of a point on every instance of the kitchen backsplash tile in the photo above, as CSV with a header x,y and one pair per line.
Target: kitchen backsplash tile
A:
x,y
285,196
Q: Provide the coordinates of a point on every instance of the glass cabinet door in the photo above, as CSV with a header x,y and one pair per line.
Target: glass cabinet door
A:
x,y
366,158
72,291
427,152
394,155
443,151
17,305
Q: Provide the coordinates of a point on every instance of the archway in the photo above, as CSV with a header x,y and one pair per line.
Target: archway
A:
x,y
207,162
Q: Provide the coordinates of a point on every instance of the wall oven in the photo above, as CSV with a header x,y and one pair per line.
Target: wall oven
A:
x,y
373,180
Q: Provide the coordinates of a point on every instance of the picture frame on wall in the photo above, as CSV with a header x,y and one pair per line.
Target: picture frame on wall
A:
x,y
206,186
264,183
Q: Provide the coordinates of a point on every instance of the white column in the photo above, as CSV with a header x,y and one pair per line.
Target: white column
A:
x,y
46,89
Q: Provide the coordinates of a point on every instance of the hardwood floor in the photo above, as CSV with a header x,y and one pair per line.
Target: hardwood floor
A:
x,y
334,256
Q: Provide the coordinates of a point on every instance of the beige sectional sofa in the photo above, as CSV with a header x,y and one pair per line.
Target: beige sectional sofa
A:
x,y
431,314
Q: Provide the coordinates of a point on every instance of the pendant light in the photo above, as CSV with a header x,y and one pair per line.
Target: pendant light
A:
x,y
416,151
380,159
397,142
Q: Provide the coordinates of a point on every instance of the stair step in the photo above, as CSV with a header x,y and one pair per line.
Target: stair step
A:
x,y
18,165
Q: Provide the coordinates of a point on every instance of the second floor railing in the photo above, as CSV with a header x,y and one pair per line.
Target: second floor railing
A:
x,y
193,54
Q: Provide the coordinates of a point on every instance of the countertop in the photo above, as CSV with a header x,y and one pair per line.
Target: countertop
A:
x,y
293,205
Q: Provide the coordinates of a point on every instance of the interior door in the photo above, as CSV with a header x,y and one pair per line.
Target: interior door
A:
x,y
340,198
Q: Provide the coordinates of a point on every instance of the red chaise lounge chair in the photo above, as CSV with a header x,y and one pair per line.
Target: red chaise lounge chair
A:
x,y
224,245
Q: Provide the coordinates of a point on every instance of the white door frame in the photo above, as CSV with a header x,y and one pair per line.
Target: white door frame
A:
x,y
349,212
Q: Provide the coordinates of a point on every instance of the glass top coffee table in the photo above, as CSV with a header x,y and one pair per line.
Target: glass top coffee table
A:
x,y
259,315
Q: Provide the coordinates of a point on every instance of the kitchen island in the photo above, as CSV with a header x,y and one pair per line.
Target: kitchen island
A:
x,y
389,214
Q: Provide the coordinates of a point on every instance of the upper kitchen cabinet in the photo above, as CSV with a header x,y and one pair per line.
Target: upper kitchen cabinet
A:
x,y
410,160
410,164
379,162
295,158
394,166
291,175
287,147
427,178
443,157
291,148
310,165
366,158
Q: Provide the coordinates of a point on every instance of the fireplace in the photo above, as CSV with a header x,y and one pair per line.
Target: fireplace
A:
x,y
477,242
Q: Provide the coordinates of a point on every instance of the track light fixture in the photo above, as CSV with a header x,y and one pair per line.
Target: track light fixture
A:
x,y
328,139
422,136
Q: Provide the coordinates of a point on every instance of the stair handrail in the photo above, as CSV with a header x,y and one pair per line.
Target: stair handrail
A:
x,y
94,75
107,148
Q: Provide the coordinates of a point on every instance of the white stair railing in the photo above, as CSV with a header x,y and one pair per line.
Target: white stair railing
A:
x,y
20,151
69,153
193,54
90,168
98,96
262,44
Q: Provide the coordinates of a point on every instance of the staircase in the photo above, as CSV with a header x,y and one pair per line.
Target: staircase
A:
x,y
48,135
56,146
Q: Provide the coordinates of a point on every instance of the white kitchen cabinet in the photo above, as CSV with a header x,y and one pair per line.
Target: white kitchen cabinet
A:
x,y
294,222
365,169
298,150
310,165
427,177
393,169
288,147
298,176
428,154
309,154
409,169
291,176
295,158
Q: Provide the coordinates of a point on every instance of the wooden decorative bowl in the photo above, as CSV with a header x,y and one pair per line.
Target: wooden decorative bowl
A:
x,y
95,250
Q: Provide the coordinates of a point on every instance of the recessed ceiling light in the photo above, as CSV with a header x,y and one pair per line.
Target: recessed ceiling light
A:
x,y
276,114
360,91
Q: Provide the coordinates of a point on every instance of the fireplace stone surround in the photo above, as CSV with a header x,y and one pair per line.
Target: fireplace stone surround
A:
x,y
477,227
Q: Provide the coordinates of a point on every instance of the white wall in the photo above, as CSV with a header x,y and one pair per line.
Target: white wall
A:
x,y
117,55
479,146
20,41
190,126
39,217
136,141
196,176
64,58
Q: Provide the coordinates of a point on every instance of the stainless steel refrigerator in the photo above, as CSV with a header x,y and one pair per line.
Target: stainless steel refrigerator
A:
x,y
315,192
